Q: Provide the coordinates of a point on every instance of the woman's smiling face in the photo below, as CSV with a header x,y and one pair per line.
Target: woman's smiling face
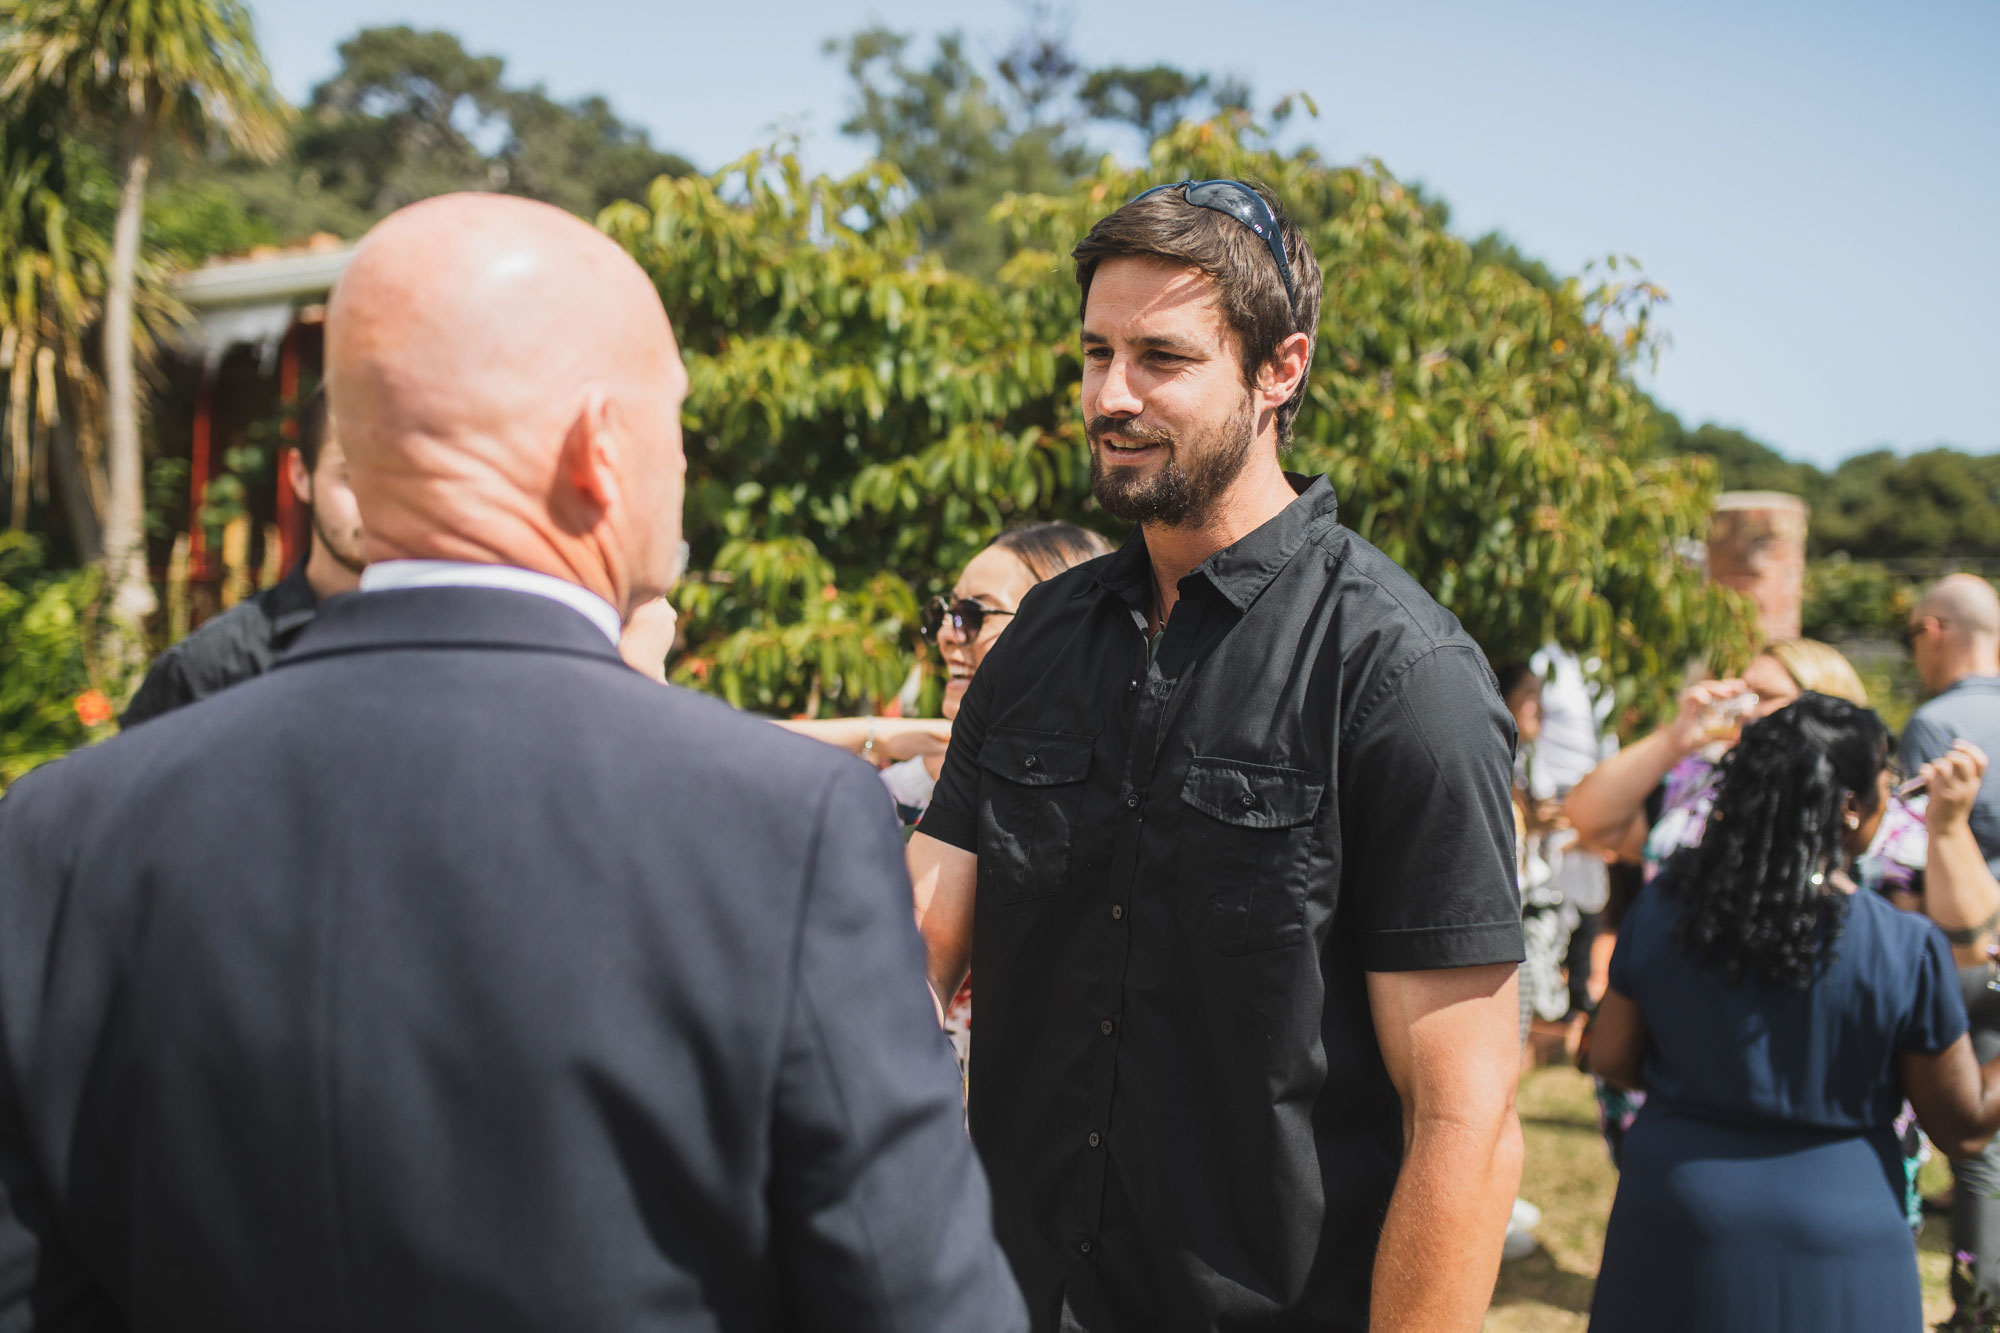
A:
x,y
997,580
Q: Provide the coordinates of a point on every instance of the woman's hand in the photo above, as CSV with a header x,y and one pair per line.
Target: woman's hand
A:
x,y
1692,726
1953,780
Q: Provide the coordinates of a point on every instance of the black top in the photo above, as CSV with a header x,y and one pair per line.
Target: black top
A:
x,y
509,1008
240,643
1185,869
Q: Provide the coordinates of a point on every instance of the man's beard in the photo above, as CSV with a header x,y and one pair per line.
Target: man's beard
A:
x,y
1172,495
347,554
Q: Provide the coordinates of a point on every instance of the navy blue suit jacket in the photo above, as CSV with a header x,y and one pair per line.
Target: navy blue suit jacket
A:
x,y
454,976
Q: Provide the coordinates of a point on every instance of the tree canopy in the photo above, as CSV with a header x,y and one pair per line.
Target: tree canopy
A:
x,y
408,114
863,417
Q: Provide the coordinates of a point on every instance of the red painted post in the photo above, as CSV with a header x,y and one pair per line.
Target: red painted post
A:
x,y
288,432
198,472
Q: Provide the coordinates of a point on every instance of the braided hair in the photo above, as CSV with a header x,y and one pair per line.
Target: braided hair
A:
x,y
1752,891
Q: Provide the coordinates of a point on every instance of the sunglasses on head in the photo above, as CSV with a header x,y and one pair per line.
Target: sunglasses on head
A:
x,y
966,616
1238,201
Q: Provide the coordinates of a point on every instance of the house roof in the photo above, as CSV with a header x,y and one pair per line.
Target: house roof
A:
x,y
297,274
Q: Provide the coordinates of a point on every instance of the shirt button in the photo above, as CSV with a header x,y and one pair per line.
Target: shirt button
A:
x,y
1132,801
1131,686
1105,1027
1249,798
1030,762
1094,1140
1084,1247
1118,911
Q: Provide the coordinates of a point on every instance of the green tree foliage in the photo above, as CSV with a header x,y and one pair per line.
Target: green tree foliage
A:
x,y
137,70
863,417
956,139
44,667
964,135
1151,100
1936,504
407,115
57,201
1940,505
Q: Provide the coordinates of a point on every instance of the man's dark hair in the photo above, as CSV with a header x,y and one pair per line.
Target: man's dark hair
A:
x,y
312,428
1047,549
1752,893
1254,304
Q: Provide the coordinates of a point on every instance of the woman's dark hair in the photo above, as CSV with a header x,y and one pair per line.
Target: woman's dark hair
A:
x,y
1752,892
1047,549
1511,676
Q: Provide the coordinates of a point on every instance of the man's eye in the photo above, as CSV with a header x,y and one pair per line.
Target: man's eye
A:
x,y
1097,353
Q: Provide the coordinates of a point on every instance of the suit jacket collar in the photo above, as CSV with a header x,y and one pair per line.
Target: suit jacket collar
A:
x,y
448,618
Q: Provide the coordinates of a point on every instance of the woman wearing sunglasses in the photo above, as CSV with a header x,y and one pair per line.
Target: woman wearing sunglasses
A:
x,y
964,625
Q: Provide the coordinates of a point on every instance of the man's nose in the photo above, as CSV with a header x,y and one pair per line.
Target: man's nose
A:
x,y
1115,397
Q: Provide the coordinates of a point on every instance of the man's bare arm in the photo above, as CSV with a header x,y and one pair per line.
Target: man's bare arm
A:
x,y
1451,1041
943,878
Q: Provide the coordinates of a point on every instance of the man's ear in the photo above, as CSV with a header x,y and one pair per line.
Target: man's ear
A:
x,y
590,454
299,477
1286,370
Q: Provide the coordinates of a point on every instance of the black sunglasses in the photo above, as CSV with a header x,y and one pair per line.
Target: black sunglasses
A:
x,y
966,616
1248,207
1910,632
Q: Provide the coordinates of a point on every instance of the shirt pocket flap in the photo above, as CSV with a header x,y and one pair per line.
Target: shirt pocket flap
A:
x,y
1036,758
1251,795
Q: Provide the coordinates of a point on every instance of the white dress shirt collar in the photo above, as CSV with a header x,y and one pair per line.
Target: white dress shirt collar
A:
x,y
386,575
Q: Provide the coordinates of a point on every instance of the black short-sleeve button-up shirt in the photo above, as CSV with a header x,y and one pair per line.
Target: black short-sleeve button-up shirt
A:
x,y
1188,860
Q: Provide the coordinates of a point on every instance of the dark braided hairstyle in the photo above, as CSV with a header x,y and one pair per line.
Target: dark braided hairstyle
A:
x,y
1752,893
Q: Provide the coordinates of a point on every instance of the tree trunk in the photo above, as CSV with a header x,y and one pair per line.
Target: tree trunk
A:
x,y
78,491
126,580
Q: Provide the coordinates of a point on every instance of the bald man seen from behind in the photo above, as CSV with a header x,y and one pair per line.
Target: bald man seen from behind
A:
x,y
453,975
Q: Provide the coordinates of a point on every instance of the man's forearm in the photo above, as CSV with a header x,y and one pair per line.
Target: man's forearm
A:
x,y
1959,891
1440,1252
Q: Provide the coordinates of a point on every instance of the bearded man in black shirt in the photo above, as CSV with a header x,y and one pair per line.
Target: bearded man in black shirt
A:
x,y
1229,810
243,641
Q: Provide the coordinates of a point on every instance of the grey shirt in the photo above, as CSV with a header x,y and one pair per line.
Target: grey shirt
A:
x,y
1969,710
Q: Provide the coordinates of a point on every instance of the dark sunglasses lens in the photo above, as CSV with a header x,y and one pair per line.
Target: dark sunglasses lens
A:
x,y
933,618
1236,200
968,615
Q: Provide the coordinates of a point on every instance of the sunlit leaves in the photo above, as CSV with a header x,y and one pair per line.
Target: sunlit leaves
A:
x,y
862,418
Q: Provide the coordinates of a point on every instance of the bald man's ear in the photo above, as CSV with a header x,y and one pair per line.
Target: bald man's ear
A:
x,y
590,457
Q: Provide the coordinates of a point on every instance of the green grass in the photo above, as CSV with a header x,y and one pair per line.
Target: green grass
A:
x,y
1569,1177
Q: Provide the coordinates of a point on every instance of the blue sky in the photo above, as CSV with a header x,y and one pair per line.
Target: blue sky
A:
x,y
1816,185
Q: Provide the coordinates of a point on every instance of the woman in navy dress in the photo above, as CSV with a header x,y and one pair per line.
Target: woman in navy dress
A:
x,y
1777,1019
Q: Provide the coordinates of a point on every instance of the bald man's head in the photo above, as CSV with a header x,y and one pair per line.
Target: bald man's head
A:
x,y
508,390
1964,603
1955,632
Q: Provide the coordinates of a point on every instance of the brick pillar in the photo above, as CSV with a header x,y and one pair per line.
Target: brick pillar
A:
x,y
1757,545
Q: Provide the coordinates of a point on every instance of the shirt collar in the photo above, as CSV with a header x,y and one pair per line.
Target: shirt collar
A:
x,y
385,575
291,603
1240,572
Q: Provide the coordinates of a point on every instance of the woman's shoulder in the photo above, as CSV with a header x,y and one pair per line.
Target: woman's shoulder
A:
x,y
1898,934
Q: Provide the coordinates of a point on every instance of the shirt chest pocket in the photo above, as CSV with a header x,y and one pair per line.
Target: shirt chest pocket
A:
x,y
1245,852
1030,798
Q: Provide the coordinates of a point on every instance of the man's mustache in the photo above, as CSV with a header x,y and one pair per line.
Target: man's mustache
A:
x,y
1126,431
